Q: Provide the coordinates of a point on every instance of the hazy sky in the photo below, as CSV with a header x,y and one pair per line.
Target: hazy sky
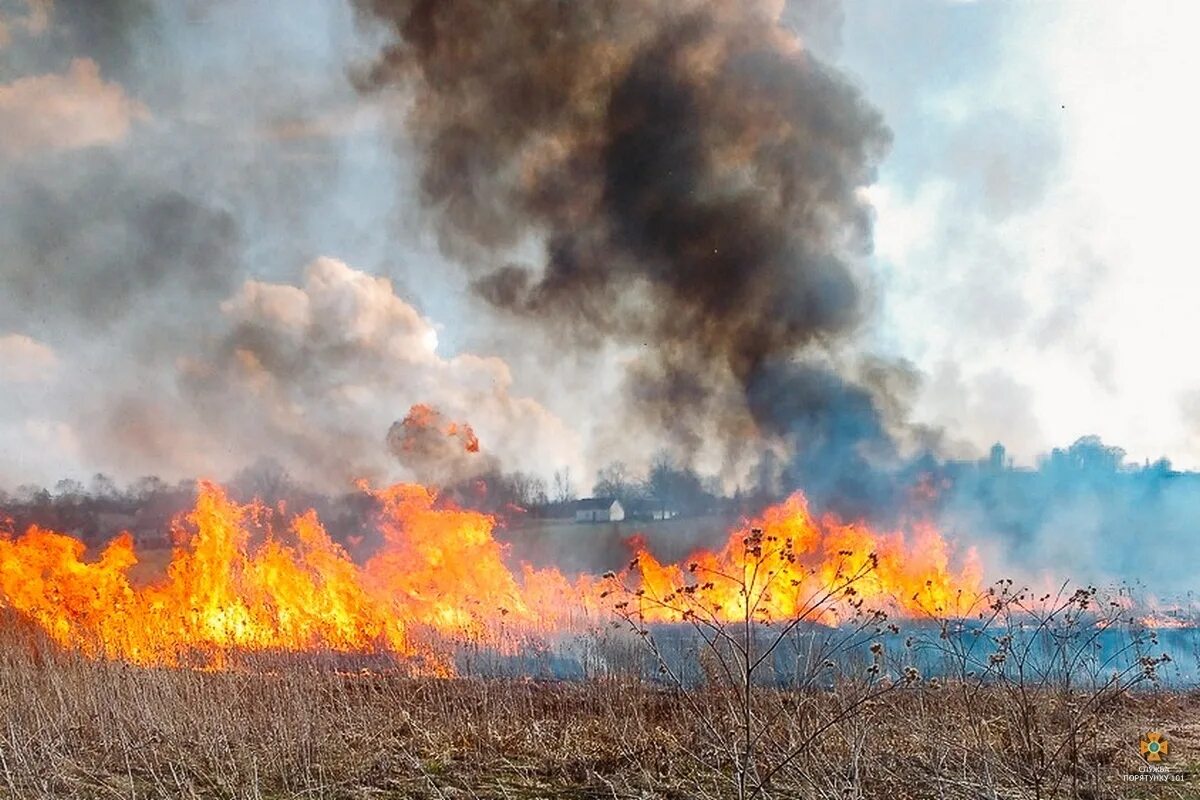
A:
x,y
197,201
1033,219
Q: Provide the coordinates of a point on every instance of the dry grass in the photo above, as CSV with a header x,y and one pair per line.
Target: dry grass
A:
x,y
1040,709
70,727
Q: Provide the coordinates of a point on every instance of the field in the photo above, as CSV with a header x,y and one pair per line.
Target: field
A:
x,y
75,728
763,676
853,722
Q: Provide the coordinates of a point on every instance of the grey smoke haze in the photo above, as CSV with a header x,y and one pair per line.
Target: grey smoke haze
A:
x,y
641,221
96,241
211,253
691,173
693,177
1084,513
164,304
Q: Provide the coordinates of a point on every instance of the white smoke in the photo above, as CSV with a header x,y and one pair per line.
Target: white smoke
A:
x,y
314,376
66,111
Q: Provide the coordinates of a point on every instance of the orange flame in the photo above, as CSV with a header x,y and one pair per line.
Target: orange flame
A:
x,y
786,564
237,584
422,418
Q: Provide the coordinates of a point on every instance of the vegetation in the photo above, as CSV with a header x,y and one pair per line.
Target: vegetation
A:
x,y
76,728
1020,696
759,674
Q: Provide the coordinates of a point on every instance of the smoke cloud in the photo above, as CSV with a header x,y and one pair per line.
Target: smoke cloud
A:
x,y
68,111
314,376
437,450
694,177
25,360
144,180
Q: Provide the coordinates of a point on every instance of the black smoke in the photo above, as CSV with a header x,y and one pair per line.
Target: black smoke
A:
x,y
695,177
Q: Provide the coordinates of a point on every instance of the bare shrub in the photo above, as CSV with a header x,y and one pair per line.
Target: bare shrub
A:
x,y
755,669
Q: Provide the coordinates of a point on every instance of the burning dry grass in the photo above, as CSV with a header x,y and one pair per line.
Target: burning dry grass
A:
x,y
74,727
245,577
284,669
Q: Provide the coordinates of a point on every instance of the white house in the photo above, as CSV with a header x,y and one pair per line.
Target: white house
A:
x,y
599,509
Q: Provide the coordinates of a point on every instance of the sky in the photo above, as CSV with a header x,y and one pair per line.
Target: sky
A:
x,y
1032,228
214,248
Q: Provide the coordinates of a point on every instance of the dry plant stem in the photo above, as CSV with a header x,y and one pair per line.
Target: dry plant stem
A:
x,y
742,645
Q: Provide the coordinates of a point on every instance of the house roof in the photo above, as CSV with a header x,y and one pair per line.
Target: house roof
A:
x,y
594,503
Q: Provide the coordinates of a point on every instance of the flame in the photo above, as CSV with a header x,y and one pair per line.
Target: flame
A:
x,y
422,418
787,564
244,578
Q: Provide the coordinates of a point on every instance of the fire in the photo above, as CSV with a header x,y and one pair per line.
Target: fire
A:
x,y
298,591
443,567
247,579
787,564
219,594
423,419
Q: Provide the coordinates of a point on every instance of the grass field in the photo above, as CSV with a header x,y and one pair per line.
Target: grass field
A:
x,y
279,725
1022,697
74,728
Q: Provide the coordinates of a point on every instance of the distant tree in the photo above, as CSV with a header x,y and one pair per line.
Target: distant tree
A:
x,y
1161,467
524,490
68,490
265,479
564,490
104,487
1087,454
149,486
536,493
676,488
33,495
615,481
1090,453
659,481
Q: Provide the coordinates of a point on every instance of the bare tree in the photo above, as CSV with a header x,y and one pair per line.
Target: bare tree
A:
x,y
527,490
104,487
614,481
564,490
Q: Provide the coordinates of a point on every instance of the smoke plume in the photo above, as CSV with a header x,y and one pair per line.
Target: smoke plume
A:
x,y
692,173
436,449
318,373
